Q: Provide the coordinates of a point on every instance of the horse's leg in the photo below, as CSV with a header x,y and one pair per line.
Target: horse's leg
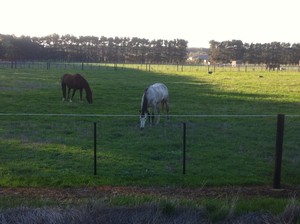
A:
x,y
165,107
158,115
74,90
151,116
69,90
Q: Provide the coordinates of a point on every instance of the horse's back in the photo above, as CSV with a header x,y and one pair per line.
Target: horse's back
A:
x,y
161,89
159,86
73,81
158,92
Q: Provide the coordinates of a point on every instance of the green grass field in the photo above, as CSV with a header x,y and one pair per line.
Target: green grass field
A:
x,y
222,148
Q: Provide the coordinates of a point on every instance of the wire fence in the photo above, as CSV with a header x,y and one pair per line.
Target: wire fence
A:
x,y
219,148
144,67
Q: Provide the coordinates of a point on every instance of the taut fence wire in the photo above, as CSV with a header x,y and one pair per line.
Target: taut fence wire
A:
x,y
162,115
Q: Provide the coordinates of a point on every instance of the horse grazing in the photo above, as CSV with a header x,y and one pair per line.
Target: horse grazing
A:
x,y
75,82
153,96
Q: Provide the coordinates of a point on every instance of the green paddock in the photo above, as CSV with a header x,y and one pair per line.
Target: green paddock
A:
x,y
230,117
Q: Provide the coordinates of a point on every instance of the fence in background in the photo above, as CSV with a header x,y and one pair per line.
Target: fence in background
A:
x,y
144,67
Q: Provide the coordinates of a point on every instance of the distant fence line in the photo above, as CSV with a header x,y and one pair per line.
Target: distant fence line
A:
x,y
144,67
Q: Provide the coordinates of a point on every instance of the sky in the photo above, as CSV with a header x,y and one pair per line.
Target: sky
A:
x,y
196,21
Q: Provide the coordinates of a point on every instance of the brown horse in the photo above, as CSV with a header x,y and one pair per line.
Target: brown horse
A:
x,y
75,82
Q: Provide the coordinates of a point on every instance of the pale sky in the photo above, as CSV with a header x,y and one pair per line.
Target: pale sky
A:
x,y
197,21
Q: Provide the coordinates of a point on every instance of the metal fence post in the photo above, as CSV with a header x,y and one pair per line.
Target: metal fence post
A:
x,y
95,148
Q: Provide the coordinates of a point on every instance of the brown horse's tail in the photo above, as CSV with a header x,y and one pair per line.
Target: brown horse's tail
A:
x,y
89,93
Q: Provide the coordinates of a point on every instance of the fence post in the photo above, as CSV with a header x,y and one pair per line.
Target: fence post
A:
x,y
278,154
184,148
95,148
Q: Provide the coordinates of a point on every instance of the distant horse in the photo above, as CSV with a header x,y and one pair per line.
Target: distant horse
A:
x,y
75,82
153,96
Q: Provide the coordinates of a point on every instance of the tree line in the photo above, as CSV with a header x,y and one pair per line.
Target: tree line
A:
x,y
92,49
140,50
272,54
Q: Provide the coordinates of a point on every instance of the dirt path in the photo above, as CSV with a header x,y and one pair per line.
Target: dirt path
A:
x,y
192,193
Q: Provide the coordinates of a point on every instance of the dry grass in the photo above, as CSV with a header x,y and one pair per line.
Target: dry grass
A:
x,y
95,213
145,214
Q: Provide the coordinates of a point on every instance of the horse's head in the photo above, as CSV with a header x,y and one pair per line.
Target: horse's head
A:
x,y
144,110
143,119
89,97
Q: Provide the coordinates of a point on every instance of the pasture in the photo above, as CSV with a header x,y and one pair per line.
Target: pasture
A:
x,y
47,142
